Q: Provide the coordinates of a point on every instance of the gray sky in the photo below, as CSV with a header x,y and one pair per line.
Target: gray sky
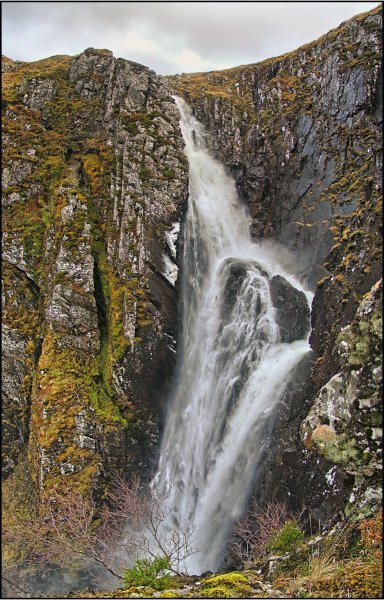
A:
x,y
170,37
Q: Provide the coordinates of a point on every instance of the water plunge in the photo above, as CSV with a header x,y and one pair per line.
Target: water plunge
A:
x,y
245,324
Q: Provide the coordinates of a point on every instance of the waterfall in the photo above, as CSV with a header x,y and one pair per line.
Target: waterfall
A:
x,y
233,363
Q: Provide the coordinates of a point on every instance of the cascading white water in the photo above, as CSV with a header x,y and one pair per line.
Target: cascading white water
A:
x,y
232,367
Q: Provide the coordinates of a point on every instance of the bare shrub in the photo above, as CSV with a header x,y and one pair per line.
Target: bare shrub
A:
x,y
146,523
68,529
253,531
62,530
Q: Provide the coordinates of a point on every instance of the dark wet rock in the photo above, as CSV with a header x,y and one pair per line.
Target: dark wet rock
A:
x,y
235,273
292,310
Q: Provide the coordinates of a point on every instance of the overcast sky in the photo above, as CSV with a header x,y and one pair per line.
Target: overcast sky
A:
x,y
170,37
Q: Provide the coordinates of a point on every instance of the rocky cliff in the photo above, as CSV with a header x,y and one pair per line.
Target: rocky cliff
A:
x,y
95,185
301,134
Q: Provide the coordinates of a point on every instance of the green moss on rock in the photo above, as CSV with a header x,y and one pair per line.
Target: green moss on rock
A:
x,y
229,585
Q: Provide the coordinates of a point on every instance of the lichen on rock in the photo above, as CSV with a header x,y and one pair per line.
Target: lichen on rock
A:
x,y
343,422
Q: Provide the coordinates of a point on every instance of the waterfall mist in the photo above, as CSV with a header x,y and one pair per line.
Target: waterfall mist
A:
x,y
234,363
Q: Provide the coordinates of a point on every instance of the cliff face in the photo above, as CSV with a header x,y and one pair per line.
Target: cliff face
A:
x,y
301,134
95,184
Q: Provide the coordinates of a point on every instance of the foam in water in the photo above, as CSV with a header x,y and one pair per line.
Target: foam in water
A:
x,y
232,368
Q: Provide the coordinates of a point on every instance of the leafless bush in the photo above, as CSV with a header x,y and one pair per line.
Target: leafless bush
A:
x,y
64,529
253,531
147,525
68,529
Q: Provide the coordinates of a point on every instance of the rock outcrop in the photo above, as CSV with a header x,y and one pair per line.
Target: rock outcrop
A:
x,y
344,422
95,185
290,304
292,311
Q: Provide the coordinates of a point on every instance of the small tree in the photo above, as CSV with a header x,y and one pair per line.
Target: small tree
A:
x,y
62,530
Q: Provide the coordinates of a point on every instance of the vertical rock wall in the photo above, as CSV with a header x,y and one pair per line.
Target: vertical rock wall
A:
x,y
94,182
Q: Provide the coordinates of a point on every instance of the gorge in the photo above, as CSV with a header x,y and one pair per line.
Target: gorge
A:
x,y
232,366
101,377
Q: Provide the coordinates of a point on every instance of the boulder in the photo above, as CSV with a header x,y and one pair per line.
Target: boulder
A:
x,y
292,310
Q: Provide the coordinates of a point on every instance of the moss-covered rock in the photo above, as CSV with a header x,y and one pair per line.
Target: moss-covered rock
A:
x,y
84,239
343,423
227,585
